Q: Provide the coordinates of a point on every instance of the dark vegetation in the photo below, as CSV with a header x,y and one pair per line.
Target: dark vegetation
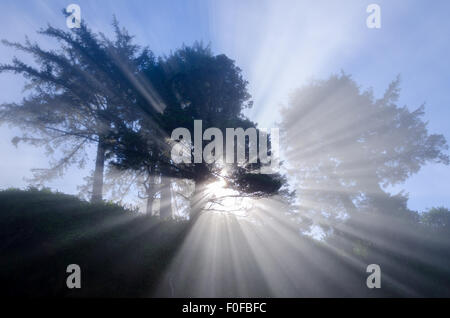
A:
x,y
125,254
120,252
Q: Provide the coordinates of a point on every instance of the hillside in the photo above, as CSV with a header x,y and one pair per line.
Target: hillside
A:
x,y
120,253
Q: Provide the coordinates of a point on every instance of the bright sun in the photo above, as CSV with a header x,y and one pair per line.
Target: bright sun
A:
x,y
227,200
218,188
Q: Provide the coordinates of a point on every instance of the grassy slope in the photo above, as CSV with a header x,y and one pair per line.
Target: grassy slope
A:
x,y
120,253
124,254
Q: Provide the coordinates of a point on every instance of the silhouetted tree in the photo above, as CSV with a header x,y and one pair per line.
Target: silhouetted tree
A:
x,y
82,93
344,147
438,219
195,85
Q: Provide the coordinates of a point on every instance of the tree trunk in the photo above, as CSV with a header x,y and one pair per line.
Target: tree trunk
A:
x,y
150,199
198,202
165,209
97,187
149,208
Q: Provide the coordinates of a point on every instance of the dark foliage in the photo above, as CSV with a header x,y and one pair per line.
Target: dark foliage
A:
x,y
123,254
120,252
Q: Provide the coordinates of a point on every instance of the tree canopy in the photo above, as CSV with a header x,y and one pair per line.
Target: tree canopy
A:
x,y
118,96
82,93
344,147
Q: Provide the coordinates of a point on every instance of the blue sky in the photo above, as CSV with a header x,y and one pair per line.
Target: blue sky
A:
x,y
279,45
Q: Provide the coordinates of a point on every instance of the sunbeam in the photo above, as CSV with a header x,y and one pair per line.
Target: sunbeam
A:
x,y
224,148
